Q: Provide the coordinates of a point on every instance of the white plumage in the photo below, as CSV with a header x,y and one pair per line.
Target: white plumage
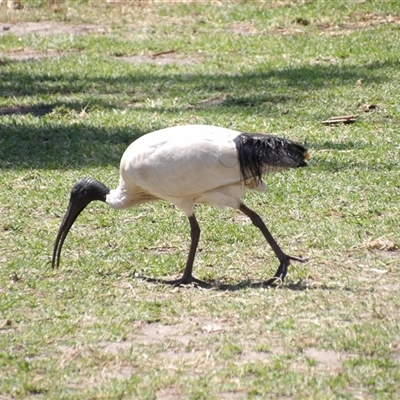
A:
x,y
189,165
184,165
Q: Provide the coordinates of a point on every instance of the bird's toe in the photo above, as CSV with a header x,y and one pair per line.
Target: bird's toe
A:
x,y
284,265
187,280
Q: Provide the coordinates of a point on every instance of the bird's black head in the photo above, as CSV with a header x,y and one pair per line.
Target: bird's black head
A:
x,y
87,189
84,192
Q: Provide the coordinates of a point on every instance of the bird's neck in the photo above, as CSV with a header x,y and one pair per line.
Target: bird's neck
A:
x,y
123,197
116,199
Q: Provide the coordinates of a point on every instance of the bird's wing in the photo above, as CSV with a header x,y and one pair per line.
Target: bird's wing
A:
x,y
182,161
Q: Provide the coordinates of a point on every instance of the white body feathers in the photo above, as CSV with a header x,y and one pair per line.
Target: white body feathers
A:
x,y
186,165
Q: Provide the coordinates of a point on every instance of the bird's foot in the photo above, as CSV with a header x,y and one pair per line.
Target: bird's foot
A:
x,y
186,280
282,270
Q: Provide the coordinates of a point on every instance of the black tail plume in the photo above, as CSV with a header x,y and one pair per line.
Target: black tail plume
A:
x,y
262,154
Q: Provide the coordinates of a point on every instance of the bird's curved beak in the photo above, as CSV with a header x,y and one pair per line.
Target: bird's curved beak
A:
x,y
84,191
73,210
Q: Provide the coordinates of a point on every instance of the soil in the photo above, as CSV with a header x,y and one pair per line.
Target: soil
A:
x,y
52,28
49,28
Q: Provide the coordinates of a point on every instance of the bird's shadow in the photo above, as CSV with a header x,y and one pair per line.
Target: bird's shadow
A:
x,y
272,282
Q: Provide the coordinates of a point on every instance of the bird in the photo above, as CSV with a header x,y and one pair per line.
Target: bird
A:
x,y
191,165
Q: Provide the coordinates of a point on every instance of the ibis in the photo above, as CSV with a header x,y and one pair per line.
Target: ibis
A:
x,y
190,165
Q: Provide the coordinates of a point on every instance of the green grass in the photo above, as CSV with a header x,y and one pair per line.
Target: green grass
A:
x,y
70,104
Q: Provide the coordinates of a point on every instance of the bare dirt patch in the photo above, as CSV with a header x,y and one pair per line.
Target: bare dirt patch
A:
x,y
155,333
43,29
240,219
327,358
115,370
115,347
243,28
181,357
232,395
168,394
162,250
184,333
361,21
395,356
50,28
348,26
28,54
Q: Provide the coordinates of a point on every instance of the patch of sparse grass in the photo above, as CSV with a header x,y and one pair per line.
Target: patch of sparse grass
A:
x,y
71,100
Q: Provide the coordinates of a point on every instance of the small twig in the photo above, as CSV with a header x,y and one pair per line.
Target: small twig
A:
x,y
162,53
345,119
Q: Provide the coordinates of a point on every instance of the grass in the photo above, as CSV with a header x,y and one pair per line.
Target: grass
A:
x,y
72,101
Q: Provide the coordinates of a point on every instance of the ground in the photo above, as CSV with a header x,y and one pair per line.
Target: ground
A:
x,y
78,86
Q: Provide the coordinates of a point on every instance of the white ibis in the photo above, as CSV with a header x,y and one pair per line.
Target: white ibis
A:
x,y
188,165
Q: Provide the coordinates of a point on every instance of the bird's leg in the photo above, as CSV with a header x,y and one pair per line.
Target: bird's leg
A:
x,y
187,276
283,258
